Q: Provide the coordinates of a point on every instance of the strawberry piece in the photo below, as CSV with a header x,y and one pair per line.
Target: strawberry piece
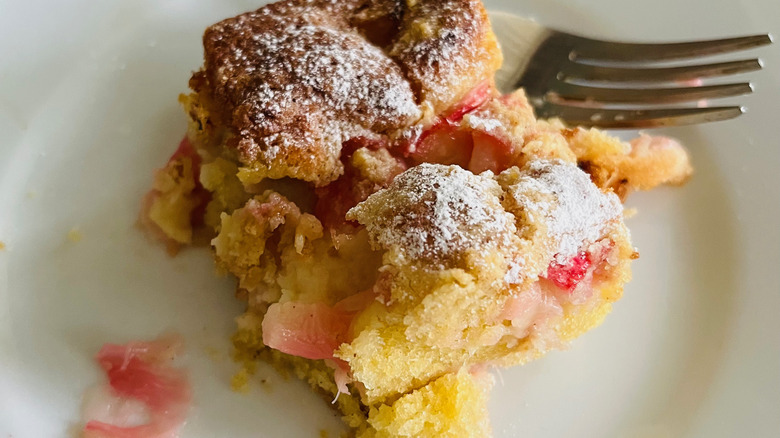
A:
x,y
444,144
567,276
477,151
489,153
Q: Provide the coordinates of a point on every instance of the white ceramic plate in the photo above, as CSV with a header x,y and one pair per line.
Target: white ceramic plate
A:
x,y
88,110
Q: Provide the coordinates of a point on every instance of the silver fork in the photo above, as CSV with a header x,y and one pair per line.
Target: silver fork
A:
x,y
569,76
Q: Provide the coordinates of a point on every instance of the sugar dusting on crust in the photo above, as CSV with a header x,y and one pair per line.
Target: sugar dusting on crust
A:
x,y
300,79
482,123
297,78
435,212
337,68
445,47
580,213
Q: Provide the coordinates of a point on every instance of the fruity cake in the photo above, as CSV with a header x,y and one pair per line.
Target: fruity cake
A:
x,y
396,226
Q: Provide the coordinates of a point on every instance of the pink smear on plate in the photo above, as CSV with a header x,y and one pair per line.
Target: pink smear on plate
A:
x,y
146,396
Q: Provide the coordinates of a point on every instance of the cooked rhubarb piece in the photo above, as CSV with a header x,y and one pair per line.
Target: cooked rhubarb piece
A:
x,y
139,372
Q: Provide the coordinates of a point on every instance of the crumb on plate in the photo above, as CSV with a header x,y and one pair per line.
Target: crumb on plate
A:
x,y
75,235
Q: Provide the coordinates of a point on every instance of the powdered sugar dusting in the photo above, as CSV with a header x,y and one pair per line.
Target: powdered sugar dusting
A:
x,y
578,214
298,78
436,212
334,67
516,271
483,123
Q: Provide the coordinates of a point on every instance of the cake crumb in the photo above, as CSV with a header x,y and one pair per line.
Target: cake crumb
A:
x,y
2,245
323,433
74,235
240,381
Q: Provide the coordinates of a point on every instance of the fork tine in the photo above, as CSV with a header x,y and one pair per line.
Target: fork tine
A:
x,y
647,95
589,72
585,48
636,118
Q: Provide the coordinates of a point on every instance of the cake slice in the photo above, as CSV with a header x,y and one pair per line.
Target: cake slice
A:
x,y
396,226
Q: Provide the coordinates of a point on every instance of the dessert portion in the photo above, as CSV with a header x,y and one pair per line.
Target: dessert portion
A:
x,y
396,226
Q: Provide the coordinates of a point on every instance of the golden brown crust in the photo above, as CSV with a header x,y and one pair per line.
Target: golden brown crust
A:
x,y
433,214
295,79
641,164
295,82
446,48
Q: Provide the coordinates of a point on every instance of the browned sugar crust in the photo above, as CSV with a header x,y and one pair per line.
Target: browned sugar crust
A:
x,y
294,80
446,47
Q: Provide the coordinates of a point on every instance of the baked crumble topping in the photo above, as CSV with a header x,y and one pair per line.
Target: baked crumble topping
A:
x,y
432,213
395,224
